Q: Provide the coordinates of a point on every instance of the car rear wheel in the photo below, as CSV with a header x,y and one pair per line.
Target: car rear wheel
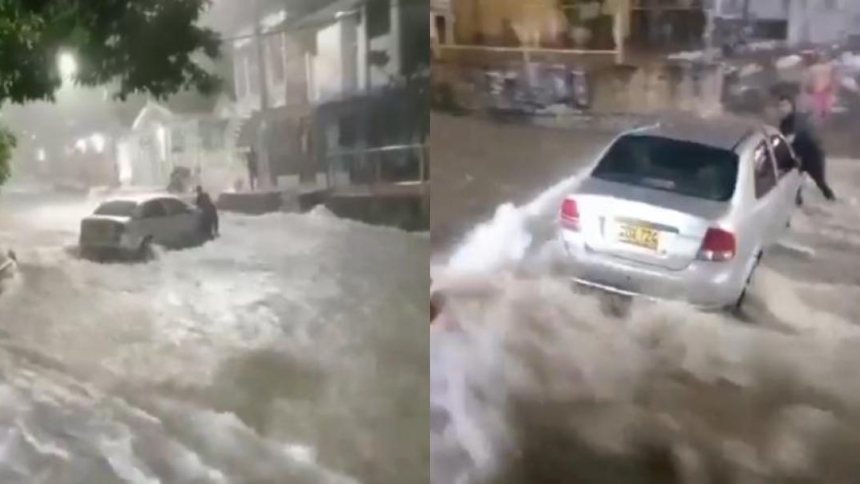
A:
x,y
742,299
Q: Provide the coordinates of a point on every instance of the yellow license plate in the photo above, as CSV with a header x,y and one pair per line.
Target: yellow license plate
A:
x,y
640,236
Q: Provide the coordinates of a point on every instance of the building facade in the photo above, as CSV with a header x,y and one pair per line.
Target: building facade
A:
x,y
796,22
312,63
160,142
822,21
541,23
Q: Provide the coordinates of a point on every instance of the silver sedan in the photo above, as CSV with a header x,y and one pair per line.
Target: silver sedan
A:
x,y
682,210
129,227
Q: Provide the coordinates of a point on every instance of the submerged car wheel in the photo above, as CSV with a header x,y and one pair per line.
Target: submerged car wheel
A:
x,y
739,304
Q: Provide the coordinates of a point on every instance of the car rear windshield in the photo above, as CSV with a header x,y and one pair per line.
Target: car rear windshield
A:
x,y
116,209
681,167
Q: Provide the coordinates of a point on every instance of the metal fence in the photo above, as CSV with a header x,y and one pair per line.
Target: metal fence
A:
x,y
386,165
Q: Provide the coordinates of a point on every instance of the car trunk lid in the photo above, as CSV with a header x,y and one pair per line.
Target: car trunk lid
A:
x,y
648,226
102,228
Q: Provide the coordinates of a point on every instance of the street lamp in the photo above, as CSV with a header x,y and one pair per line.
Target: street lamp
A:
x,y
68,65
98,141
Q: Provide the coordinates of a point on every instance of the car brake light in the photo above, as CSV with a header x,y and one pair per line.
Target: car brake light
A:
x,y
718,246
570,214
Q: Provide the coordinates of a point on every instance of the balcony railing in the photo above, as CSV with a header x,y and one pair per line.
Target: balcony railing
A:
x,y
378,167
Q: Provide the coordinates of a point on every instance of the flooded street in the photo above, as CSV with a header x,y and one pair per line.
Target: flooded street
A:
x,y
292,349
542,380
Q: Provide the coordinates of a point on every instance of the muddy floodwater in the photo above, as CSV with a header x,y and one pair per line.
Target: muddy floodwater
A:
x,y
544,383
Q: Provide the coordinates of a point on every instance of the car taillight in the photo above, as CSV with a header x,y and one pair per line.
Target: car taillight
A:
x,y
570,214
718,246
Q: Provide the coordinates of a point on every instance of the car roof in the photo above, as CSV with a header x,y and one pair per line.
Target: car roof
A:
x,y
718,132
141,198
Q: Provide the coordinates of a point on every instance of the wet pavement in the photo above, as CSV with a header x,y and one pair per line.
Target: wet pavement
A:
x,y
479,164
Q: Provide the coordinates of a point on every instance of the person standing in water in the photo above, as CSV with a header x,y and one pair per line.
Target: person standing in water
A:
x,y
209,212
796,127
252,169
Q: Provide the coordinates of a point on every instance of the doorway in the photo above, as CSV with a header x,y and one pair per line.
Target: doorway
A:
x,y
441,24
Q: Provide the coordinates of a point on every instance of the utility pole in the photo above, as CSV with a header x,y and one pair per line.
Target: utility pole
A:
x,y
264,172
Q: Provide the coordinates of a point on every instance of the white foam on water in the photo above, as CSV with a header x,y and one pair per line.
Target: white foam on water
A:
x,y
265,356
505,241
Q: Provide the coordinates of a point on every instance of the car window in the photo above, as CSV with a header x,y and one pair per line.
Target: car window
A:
x,y
153,209
116,208
765,171
682,167
785,159
174,206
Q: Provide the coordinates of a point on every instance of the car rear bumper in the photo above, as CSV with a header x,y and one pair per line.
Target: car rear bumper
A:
x,y
706,285
702,306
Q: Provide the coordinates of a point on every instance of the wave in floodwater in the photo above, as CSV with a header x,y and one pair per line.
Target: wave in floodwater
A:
x,y
513,234
290,350
542,383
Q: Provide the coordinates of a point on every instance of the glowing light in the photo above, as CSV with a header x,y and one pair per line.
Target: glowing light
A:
x,y
161,134
41,155
68,65
81,145
98,141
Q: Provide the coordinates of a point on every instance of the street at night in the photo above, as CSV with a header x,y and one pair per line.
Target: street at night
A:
x,y
201,280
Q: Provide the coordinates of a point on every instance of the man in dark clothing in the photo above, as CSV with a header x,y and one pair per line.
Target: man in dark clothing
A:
x,y
797,129
252,169
210,213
